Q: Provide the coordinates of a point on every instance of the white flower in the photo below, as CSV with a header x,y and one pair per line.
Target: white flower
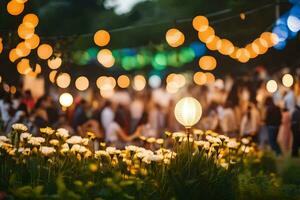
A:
x,y
64,148
47,150
100,153
54,142
245,141
160,141
85,141
4,139
204,144
151,140
156,158
25,136
112,150
47,130
63,133
36,141
74,140
131,148
19,127
232,144
224,138
178,135
78,148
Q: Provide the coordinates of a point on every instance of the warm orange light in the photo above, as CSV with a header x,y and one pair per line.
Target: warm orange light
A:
x,y
252,53
82,83
210,78
227,47
15,8
1,46
25,32
101,38
106,58
123,81
215,44
207,63
200,23
63,80
200,78
38,69
139,82
243,55
22,50
44,51
52,76
174,37
31,20
207,36
13,55
32,42
54,63
23,67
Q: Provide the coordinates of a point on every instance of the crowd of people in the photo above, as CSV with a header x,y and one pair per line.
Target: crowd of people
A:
x,y
236,108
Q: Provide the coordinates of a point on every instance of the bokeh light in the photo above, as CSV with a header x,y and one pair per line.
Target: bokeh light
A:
x,y
54,63
200,78
15,8
123,81
287,80
44,51
154,81
207,63
63,80
271,86
66,100
82,83
139,82
101,38
174,37
200,23
106,58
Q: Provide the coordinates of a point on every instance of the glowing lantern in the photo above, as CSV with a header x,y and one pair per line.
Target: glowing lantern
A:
x,y
25,32
52,76
101,38
82,83
23,66
66,100
1,46
287,80
139,82
106,58
207,63
174,37
44,51
215,44
188,111
54,63
22,50
15,8
243,55
63,80
226,48
207,36
32,42
271,86
200,23
210,78
13,55
123,81
200,78
31,20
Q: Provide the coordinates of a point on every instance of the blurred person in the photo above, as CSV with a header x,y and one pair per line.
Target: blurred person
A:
x,y
40,115
210,121
250,123
295,125
172,124
52,110
228,121
136,110
107,115
80,115
124,117
28,100
156,118
289,100
5,107
144,128
285,136
273,122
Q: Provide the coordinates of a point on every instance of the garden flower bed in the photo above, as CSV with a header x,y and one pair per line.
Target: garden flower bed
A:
x,y
208,166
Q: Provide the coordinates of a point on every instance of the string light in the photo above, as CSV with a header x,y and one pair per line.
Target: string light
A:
x,y
123,81
54,63
207,63
82,83
63,80
287,80
66,100
15,8
101,38
174,37
271,86
139,82
44,51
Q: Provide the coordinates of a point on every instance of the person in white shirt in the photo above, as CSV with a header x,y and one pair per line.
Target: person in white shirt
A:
x,y
228,121
107,115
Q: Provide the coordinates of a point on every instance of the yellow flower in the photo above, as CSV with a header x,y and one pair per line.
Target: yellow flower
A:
x,y
93,167
47,130
91,135
78,156
160,141
19,127
151,140
54,142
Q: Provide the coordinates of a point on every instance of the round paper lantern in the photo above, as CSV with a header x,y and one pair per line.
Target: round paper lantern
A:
x,y
63,80
210,78
54,63
101,38
215,44
288,80
1,46
25,32
207,36
188,111
66,100
226,48
13,55
207,63
271,86
23,67
32,42
139,82
44,51
200,23
31,20
106,58
242,55
15,8
200,78
82,83
174,37
123,81
52,76
22,50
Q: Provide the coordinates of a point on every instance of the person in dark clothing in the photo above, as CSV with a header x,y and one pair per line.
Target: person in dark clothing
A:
x,y
273,121
296,131
80,115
